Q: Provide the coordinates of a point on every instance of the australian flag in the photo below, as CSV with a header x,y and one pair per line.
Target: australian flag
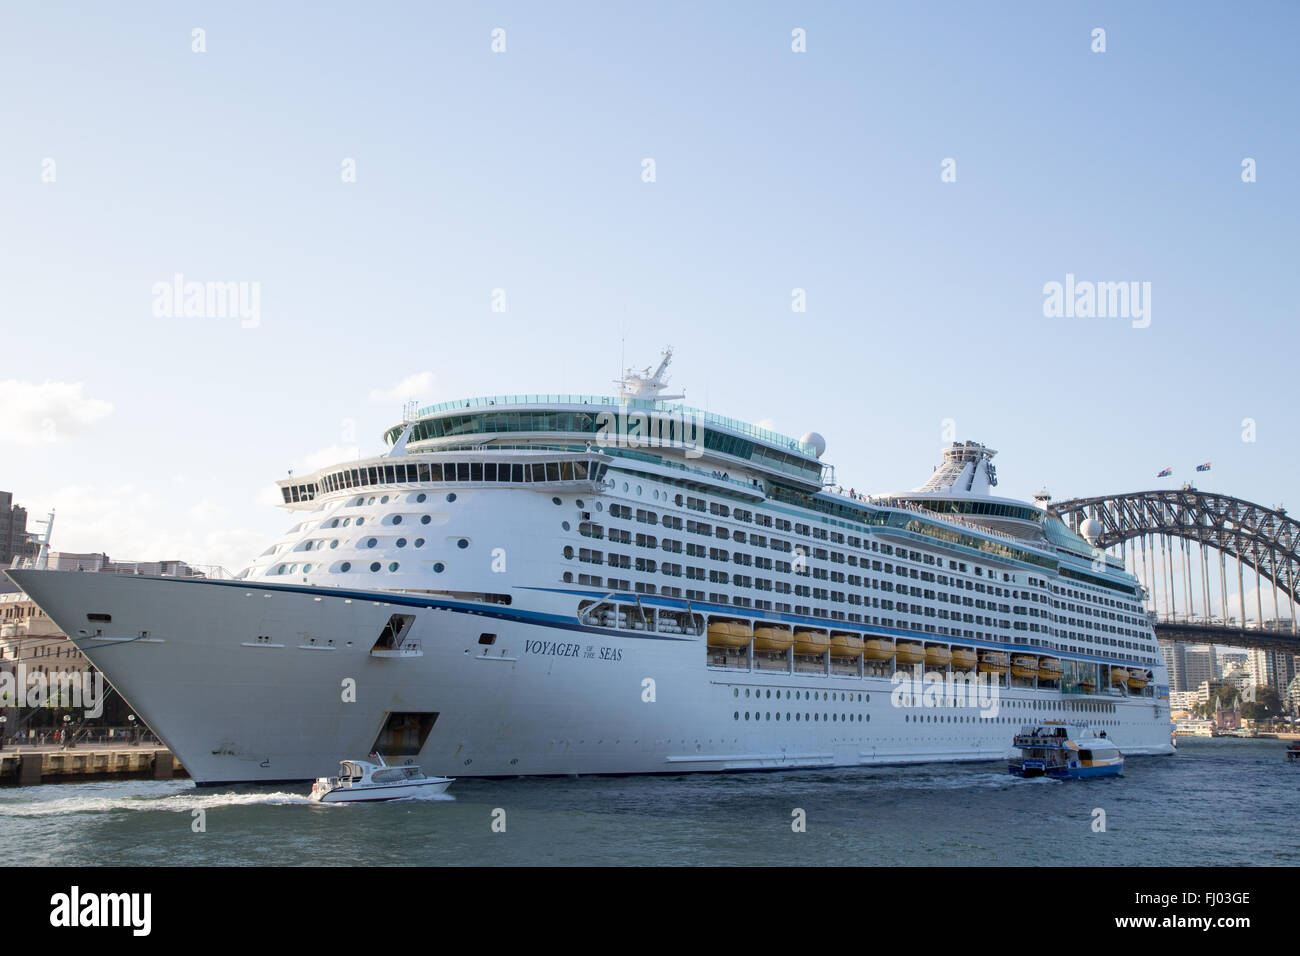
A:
x,y
1204,467
1165,474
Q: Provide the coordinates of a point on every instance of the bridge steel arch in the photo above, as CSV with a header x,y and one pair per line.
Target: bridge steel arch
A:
x,y
1263,539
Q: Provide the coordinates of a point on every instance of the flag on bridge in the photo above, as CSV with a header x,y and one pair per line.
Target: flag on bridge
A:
x,y
1204,467
1165,474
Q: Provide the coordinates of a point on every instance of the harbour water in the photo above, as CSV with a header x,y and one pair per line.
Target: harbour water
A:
x,y
1217,802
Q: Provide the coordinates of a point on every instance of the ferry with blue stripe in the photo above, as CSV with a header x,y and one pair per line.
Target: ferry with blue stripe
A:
x,y
1050,750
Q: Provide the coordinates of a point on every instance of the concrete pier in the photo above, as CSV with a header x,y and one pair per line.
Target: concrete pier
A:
x,y
28,766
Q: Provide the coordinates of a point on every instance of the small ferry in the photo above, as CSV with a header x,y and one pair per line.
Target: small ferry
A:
x,y
1293,751
359,781
1048,750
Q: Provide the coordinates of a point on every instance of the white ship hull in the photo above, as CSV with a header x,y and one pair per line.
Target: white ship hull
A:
x,y
260,683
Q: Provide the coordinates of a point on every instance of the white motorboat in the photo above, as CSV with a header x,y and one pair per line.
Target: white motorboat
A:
x,y
359,781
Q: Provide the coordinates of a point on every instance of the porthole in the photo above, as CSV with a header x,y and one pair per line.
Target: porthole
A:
x,y
359,502
439,567
625,489
371,542
384,500
580,504
401,542
735,692
375,566
425,519
568,577
419,542
346,522
638,489
564,525
371,501
556,501
397,519
463,543
568,553
345,566
600,506
735,715
360,522
421,497
334,543
392,566
306,568
451,496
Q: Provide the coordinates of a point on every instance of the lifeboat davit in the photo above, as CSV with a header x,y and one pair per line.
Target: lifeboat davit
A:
x,y
938,655
729,634
878,649
808,641
1118,676
994,662
964,658
909,652
1049,668
846,645
1024,665
773,639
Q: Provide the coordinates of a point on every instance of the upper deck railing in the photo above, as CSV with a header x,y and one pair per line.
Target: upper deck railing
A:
x,y
722,421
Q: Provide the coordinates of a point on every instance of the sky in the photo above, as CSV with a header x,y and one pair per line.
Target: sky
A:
x,y
385,180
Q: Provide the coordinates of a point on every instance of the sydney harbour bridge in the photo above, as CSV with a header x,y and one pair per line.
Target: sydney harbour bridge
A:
x,y
1200,555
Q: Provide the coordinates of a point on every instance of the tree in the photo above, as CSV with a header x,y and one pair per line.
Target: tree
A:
x,y
1268,698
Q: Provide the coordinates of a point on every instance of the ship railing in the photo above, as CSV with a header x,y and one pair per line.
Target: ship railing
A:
x,y
942,516
641,404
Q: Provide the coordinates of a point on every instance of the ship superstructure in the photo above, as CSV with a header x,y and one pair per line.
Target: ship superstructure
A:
x,y
545,584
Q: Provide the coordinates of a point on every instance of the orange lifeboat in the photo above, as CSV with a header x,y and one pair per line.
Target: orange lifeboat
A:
x,y
909,652
878,649
1024,665
964,658
845,645
994,662
773,639
729,634
938,656
809,641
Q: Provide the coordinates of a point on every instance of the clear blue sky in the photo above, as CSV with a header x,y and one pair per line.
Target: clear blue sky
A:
x,y
522,171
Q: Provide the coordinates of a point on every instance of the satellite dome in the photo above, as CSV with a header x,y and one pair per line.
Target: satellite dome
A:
x,y
1091,530
818,443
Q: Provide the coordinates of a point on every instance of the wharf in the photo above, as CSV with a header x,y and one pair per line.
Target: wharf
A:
x,y
29,766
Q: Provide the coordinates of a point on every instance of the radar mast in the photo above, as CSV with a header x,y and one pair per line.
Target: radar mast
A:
x,y
647,385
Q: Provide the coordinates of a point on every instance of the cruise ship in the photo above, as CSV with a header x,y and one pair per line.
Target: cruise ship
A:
x,y
577,584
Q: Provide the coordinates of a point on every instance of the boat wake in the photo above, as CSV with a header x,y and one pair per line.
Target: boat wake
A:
x,y
135,796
